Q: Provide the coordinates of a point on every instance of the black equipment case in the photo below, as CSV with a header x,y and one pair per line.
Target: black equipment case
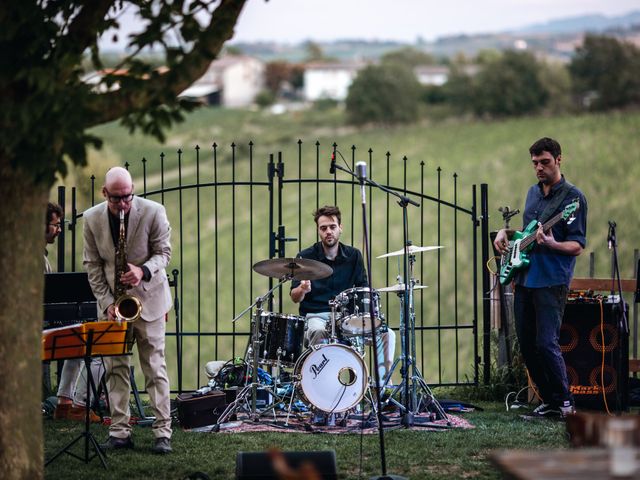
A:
x,y
200,409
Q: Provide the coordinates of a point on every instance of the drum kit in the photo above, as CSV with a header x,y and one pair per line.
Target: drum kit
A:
x,y
331,377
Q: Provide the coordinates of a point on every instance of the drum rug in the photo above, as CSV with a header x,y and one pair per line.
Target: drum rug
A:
x,y
354,424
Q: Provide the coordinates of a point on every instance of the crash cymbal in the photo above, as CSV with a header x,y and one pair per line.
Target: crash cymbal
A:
x,y
399,287
411,249
297,268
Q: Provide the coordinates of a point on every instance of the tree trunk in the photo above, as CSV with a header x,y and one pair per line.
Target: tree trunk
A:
x,y
21,290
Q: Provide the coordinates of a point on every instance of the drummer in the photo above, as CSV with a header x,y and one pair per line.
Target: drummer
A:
x,y
348,272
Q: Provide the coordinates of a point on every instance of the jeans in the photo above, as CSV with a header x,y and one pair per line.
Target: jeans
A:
x,y
538,316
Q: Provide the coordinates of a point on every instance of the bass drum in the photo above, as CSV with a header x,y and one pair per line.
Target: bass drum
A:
x,y
333,378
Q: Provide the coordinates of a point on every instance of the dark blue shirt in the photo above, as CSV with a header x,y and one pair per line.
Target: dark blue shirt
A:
x,y
548,267
348,272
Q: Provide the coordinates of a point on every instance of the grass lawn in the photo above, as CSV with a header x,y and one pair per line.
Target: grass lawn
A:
x,y
454,453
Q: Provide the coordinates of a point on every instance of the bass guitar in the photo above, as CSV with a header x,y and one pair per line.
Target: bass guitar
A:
x,y
516,257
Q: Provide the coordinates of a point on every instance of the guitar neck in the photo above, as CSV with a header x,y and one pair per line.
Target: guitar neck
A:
x,y
545,226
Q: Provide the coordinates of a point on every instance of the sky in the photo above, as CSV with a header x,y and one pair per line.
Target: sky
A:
x,y
404,20
294,21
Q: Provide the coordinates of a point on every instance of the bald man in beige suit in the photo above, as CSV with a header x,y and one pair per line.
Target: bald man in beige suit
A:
x,y
148,253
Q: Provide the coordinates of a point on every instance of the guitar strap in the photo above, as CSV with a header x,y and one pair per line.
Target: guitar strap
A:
x,y
558,198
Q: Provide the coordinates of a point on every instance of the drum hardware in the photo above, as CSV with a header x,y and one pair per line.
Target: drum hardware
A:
x,y
411,250
285,269
400,288
414,391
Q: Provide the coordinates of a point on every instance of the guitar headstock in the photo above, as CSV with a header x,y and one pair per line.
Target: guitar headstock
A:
x,y
570,209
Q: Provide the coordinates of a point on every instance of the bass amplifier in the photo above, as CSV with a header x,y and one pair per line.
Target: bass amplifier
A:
x,y
595,347
200,409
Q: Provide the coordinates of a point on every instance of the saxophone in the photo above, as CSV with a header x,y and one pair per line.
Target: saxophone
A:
x,y
127,307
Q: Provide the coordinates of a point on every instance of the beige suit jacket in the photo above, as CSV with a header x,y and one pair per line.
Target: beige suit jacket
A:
x,y
148,244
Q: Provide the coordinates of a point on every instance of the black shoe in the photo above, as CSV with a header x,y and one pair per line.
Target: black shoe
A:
x,y
544,411
115,443
162,445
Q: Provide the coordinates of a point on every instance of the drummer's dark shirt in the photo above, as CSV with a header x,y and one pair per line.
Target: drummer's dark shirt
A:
x,y
348,272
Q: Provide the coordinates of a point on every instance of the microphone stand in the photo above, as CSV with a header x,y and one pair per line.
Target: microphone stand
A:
x,y
410,375
620,307
362,178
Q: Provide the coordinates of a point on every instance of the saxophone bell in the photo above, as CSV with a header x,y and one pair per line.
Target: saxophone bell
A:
x,y
127,308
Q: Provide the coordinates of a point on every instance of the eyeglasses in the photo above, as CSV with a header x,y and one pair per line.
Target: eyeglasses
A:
x,y
118,198
56,225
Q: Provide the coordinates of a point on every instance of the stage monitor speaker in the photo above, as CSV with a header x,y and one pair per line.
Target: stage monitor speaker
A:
x,y
582,347
257,465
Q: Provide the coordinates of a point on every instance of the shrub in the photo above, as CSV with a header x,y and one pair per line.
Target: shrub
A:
x,y
386,94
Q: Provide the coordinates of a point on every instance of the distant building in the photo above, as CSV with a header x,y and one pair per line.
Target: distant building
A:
x,y
231,81
432,74
329,80
332,80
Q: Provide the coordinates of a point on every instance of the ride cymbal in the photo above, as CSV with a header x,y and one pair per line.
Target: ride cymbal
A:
x,y
411,250
295,268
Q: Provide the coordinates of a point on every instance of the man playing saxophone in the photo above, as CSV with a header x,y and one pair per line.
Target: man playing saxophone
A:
x,y
136,248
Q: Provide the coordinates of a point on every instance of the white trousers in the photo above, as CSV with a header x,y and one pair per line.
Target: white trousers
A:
x,y
149,340
73,379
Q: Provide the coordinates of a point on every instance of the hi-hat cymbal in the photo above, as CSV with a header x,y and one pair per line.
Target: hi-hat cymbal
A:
x,y
399,287
296,268
412,249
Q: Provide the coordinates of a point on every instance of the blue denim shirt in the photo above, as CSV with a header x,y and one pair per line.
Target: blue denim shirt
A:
x,y
548,267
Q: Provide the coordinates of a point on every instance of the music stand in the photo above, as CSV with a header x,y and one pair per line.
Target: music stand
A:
x,y
91,339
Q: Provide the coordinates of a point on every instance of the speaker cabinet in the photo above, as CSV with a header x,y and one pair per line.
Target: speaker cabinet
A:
x,y
594,383
257,465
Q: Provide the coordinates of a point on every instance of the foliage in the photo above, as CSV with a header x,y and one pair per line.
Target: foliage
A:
x,y
265,98
315,53
459,89
46,106
608,70
556,80
408,57
281,74
386,94
510,85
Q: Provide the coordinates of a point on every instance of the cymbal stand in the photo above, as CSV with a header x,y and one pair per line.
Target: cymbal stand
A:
x,y
413,386
334,337
240,402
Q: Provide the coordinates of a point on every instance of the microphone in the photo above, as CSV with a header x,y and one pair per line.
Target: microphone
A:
x,y
361,171
332,168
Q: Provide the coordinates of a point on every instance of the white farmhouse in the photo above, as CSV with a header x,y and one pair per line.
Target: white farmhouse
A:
x,y
329,80
231,81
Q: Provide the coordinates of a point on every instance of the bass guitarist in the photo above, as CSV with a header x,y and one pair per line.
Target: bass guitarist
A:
x,y
541,286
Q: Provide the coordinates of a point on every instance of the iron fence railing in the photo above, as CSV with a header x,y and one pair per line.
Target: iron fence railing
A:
x,y
230,208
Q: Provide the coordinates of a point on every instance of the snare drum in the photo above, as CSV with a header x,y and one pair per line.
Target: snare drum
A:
x,y
332,378
353,311
281,338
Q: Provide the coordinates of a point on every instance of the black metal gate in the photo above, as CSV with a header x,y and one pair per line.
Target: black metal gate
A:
x,y
230,208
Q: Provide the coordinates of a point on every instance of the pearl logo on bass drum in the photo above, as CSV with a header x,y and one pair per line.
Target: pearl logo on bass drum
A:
x,y
316,369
